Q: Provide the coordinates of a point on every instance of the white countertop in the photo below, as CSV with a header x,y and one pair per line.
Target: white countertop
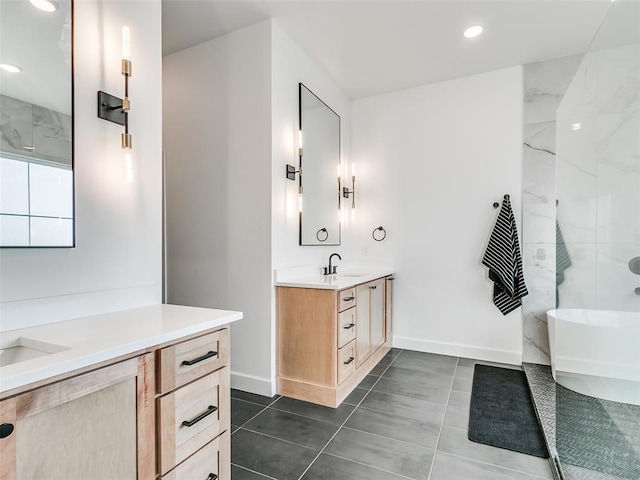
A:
x,y
98,338
342,280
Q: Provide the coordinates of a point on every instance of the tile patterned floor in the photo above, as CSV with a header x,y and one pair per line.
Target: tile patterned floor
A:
x,y
407,420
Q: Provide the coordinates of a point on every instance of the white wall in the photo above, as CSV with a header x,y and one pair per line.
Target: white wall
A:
x,y
218,141
291,65
116,262
431,162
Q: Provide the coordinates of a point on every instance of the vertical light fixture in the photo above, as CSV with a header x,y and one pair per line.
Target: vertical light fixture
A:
x,y
346,192
291,171
116,110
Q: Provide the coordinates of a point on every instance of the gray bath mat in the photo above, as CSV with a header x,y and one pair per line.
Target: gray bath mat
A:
x,y
502,414
589,434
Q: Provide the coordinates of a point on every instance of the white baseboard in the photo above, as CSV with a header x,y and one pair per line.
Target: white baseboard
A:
x,y
253,384
459,350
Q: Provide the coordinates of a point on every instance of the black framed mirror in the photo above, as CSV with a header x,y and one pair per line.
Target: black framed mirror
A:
x,y
36,124
319,163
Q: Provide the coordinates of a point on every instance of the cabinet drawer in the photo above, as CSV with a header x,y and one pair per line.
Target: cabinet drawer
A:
x,y
191,417
208,463
346,327
346,361
346,299
184,362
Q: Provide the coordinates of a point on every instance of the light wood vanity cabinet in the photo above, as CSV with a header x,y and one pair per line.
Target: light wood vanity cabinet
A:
x,y
329,340
97,425
165,413
194,405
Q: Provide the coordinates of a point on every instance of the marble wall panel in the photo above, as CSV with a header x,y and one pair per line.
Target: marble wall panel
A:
x,y
544,86
616,283
16,127
51,135
538,183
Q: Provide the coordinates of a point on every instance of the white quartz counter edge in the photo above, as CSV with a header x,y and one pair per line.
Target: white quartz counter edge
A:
x,y
99,338
336,282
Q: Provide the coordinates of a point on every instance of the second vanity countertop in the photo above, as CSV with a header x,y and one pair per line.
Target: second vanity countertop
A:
x,y
340,281
90,340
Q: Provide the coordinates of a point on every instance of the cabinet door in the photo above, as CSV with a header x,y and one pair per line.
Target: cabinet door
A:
x,y
388,308
363,323
377,313
98,425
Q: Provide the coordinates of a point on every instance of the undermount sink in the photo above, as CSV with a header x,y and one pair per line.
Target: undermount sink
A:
x,y
24,349
351,274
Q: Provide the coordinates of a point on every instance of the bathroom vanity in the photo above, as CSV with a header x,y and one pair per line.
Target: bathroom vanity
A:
x,y
331,331
141,393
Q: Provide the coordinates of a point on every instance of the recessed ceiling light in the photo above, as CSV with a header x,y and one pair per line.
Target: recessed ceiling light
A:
x,y
45,5
576,126
8,67
473,31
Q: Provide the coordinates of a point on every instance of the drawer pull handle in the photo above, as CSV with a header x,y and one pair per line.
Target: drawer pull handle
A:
x,y
373,287
6,429
351,325
206,413
212,476
348,299
200,359
351,359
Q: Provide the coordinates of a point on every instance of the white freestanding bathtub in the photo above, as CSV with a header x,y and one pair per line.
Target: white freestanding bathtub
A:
x,y
596,352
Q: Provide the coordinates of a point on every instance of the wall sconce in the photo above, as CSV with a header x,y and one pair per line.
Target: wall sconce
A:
x,y
291,171
114,109
346,192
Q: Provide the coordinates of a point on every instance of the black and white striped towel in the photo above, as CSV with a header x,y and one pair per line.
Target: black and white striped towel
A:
x,y
504,262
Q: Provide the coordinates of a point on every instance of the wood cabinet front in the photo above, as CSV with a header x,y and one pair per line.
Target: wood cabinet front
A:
x,y
97,425
328,341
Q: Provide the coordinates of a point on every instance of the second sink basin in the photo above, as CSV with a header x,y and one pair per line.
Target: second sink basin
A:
x,y
24,349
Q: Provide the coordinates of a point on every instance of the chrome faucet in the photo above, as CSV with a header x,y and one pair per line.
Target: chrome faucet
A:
x,y
328,270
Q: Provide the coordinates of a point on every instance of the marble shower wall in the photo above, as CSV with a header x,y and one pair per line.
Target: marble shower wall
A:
x,y
598,180
545,84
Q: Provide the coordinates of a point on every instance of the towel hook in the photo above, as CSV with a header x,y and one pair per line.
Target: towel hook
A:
x,y
496,204
379,238
320,237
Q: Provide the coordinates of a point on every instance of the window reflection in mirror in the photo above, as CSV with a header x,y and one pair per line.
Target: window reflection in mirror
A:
x,y
320,126
36,126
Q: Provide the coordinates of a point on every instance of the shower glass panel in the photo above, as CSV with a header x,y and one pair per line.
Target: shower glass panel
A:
x,y
595,334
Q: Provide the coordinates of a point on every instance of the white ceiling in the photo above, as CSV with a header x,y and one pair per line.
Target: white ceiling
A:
x,y
369,47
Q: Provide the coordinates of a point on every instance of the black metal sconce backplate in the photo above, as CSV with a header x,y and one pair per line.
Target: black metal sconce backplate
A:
x,y
110,108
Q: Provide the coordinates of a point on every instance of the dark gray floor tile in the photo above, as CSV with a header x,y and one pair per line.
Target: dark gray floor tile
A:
x,y
242,412
239,473
449,467
368,382
393,426
405,407
432,357
252,397
394,352
378,370
336,416
390,455
329,467
459,399
270,456
455,441
415,376
457,417
414,390
234,428
293,428
471,362
463,384
356,396
425,365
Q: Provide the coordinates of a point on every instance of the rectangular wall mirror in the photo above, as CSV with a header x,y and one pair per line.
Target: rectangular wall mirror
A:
x,y
36,125
319,162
